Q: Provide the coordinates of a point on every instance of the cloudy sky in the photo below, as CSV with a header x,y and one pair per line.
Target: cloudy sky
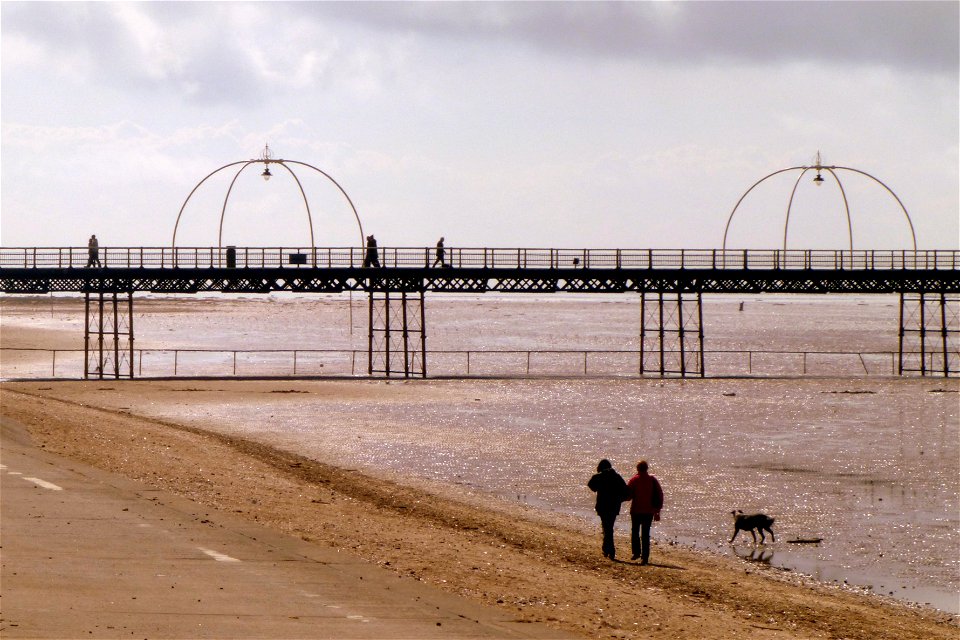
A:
x,y
633,125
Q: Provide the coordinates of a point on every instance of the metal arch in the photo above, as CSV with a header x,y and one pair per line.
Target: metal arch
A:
x,y
173,244
306,204
337,185
266,161
313,244
913,235
843,194
745,194
846,206
223,210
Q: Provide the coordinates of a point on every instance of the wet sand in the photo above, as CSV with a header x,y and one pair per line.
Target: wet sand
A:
x,y
516,557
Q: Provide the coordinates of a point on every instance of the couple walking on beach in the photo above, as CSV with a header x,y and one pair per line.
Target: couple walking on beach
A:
x,y
646,499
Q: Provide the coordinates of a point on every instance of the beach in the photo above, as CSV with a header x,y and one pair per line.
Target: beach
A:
x,y
479,485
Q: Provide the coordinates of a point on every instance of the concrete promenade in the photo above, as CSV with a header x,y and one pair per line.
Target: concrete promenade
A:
x,y
89,554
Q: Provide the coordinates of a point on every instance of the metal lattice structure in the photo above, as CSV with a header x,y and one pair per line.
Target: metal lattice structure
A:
x,y
670,282
929,334
108,335
671,334
397,339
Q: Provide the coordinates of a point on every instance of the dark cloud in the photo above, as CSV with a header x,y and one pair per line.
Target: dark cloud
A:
x,y
213,64
914,35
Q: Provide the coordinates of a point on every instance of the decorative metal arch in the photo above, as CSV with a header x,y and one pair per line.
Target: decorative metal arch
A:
x,y
832,170
267,161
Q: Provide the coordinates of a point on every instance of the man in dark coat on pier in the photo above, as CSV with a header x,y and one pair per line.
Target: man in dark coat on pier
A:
x,y
372,259
611,491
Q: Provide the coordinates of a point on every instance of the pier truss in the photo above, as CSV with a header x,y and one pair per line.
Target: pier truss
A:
x,y
671,334
108,334
929,334
397,342
670,284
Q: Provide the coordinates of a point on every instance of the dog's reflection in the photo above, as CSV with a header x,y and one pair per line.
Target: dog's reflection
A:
x,y
761,555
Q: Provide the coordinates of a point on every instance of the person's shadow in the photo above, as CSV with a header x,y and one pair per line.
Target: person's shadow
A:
x,y
659,565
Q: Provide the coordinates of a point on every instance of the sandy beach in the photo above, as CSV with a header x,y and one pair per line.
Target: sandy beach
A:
x,y
513,557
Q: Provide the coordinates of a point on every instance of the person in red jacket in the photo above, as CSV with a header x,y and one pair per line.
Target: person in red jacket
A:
x,y
646,501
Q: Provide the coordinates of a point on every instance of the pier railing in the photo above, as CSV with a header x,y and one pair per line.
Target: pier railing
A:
x,y
226,363
477,257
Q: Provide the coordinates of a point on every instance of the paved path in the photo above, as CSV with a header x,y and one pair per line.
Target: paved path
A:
x,y
90,554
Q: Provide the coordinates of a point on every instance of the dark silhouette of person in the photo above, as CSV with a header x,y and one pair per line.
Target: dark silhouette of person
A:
x,y
611,490
646,502
93,252
441,253
372,259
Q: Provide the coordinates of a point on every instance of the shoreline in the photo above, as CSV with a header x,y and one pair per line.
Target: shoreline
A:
x,y
546,572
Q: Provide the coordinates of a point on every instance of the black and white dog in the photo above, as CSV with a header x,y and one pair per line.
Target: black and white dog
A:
x,y
752,523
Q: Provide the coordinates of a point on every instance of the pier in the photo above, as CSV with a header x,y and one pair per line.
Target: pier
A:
x,y
668,284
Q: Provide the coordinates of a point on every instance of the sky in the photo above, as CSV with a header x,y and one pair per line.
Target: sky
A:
x,y
562,124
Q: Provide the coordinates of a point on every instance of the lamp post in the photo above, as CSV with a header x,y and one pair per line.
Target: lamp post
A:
x,y
818,180
266,157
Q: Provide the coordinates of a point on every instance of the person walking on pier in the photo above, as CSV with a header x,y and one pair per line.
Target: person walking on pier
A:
x,y
611,490
646,501
372,259
441,253
93,252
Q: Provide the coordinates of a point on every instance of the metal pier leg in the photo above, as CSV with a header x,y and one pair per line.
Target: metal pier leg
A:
x,y
406,335
683,358
86,335
423,334
130,323
643,334
100,335
700,332
386,334
900,347
116,338
370,336
660,330
943,334
923,337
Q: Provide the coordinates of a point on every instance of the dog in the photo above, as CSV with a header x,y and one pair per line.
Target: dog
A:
x,y
752,523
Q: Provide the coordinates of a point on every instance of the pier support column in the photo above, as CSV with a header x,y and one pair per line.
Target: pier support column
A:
x,y
108,335
671,334
397,342
929,338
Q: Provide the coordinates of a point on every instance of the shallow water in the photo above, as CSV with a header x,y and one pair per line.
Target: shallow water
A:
x,y
870,465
